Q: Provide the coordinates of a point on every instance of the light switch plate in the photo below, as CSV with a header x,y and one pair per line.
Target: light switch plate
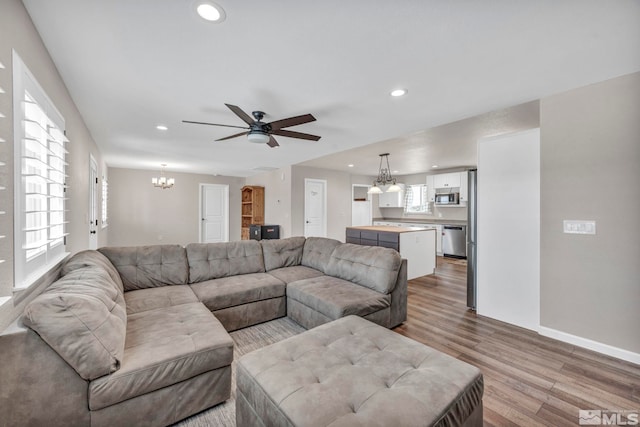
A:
x,y
579,227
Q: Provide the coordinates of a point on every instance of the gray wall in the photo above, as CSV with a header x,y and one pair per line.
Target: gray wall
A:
x,y
17,32
590,170
277,198
140,214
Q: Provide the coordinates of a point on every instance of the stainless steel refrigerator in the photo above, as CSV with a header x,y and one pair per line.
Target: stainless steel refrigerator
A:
x,y
472,255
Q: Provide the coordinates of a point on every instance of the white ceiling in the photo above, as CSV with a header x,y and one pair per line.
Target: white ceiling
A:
x,y
131,65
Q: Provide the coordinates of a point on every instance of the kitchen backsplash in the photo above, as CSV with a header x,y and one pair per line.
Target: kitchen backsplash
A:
x,y
437,213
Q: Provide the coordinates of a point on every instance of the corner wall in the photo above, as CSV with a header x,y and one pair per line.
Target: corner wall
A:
x,y
140,214
277,198
18,33
590,170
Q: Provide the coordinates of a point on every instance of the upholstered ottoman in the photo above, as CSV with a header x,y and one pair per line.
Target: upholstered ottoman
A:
x,y
352,372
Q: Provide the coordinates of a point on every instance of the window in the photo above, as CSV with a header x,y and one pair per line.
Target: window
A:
x,y
40,180
105,198
416,200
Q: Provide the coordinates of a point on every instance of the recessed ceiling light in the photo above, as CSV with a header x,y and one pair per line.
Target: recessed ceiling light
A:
x,y
350,165
161,127
396,172
398,92
210,12
434,166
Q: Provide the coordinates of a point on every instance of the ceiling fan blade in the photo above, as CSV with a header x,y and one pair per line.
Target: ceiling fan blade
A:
x,y
232,136
238,112
214,124
272,142
292,121
299,135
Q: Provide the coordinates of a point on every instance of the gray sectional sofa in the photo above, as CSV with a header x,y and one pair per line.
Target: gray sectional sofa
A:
x,y
139,335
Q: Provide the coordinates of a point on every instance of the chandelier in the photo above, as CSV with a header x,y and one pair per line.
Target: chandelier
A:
x,y
163,182
384,178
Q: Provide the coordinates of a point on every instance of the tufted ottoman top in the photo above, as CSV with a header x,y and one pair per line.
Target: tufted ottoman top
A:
x,y
352,372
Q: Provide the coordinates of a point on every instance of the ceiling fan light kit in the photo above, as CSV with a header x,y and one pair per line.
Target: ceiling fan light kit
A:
x,y
260,132
384,178
258,137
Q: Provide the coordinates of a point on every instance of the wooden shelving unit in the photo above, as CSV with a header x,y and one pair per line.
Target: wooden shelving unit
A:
x,y
252,208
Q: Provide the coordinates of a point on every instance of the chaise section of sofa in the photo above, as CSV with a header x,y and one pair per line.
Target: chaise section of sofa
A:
x,y
366,281
111,366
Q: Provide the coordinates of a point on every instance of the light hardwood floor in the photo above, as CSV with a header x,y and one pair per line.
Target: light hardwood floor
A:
x,y
529,379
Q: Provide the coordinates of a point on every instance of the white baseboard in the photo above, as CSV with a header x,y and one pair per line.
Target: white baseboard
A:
x,y
607,349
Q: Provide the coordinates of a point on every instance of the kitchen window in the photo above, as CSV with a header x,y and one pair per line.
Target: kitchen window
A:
x,y
40,177
416,200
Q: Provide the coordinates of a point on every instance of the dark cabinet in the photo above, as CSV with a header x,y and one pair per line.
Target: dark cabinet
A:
x,y
385,239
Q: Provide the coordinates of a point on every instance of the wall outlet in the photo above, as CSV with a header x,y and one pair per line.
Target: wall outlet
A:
x,y
578,227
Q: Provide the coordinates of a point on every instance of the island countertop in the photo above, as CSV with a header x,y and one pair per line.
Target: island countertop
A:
x,y
390,228
416,244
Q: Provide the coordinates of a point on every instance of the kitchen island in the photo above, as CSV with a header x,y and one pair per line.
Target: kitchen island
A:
x,y
416,244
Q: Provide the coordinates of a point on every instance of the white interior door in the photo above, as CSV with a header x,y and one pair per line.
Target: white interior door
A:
x,y
315,207
214,213
93,203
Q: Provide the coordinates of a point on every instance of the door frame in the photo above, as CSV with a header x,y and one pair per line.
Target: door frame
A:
x,y
93,203
201,205
324,205
369,199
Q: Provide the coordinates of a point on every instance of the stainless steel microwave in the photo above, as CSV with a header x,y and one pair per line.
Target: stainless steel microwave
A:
x,y
448,199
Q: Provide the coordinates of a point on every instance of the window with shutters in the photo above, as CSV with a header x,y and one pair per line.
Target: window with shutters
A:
x,y
40,179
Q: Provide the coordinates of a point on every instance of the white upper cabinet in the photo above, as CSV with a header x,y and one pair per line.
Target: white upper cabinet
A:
x,y
464,187
447,180
391,200
431,189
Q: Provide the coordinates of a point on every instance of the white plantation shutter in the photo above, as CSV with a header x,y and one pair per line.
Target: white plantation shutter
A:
x,y
40,214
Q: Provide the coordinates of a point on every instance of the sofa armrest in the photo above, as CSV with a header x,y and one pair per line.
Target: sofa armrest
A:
x,y
399,297
38,386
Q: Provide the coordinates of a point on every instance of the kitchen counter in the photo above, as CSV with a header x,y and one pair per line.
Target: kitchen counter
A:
x,y
424,221
389,228
416,244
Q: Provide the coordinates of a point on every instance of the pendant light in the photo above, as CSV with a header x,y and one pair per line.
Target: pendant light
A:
x,y
384,178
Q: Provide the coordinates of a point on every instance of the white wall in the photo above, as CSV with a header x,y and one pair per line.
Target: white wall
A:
x,y
140,214
508,233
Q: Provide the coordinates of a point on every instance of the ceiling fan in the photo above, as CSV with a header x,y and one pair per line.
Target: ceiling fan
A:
x,y
261,132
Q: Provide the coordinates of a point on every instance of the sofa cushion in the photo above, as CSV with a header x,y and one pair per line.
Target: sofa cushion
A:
x,y
317,252
152,298
236,290
164,346
82,316
295,273
92,258
374,267
144,267
282,253
337,298
215,260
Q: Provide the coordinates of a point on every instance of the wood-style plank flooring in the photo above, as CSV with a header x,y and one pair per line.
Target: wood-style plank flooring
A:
x,y
529,379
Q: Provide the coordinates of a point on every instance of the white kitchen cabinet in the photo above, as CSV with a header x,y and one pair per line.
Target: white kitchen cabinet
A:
x,y
447,180
464,188
438,228
431,189
391,200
